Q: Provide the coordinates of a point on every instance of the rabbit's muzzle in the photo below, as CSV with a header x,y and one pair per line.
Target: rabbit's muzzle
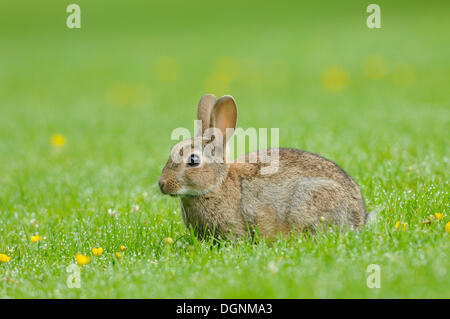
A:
x,y
168,187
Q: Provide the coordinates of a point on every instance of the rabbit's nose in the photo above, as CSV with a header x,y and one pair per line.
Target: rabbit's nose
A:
x,y
161,184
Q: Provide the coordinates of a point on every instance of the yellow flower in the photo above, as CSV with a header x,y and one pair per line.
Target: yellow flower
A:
x,y
4,258
401,226
375,67
118,255
121,95
219,83
82,259
439,216
58,140
166,69
335,79
168,240
97,251
229,66
123,248
447,227
36,238
404,75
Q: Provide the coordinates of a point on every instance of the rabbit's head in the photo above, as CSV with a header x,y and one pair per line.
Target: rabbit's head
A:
x,y
198,165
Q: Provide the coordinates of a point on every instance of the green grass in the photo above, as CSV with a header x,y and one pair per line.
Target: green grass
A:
x,y
116,89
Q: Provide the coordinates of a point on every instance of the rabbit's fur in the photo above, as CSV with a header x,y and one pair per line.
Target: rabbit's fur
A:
x,y
222,198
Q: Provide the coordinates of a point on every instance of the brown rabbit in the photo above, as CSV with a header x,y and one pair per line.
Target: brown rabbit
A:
x,y
222,198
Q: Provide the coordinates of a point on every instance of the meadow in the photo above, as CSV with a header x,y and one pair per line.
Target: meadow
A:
x,y
85,122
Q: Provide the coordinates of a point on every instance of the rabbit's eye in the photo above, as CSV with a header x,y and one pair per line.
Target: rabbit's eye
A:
x,y
193,160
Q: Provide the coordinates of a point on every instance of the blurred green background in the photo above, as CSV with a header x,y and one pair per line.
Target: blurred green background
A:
x,y
376,101
135,71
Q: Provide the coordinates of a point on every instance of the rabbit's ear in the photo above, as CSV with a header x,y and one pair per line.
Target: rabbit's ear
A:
x,y
224,115
205,106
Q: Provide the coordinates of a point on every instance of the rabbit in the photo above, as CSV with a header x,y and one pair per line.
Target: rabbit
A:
x,y
233,199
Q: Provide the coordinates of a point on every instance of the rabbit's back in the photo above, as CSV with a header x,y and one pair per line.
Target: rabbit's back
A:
x,y
306,190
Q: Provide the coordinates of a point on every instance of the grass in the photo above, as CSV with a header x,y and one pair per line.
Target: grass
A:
x,y
374,101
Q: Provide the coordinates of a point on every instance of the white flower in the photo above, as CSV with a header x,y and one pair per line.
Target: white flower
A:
x,y
135,208
112,212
